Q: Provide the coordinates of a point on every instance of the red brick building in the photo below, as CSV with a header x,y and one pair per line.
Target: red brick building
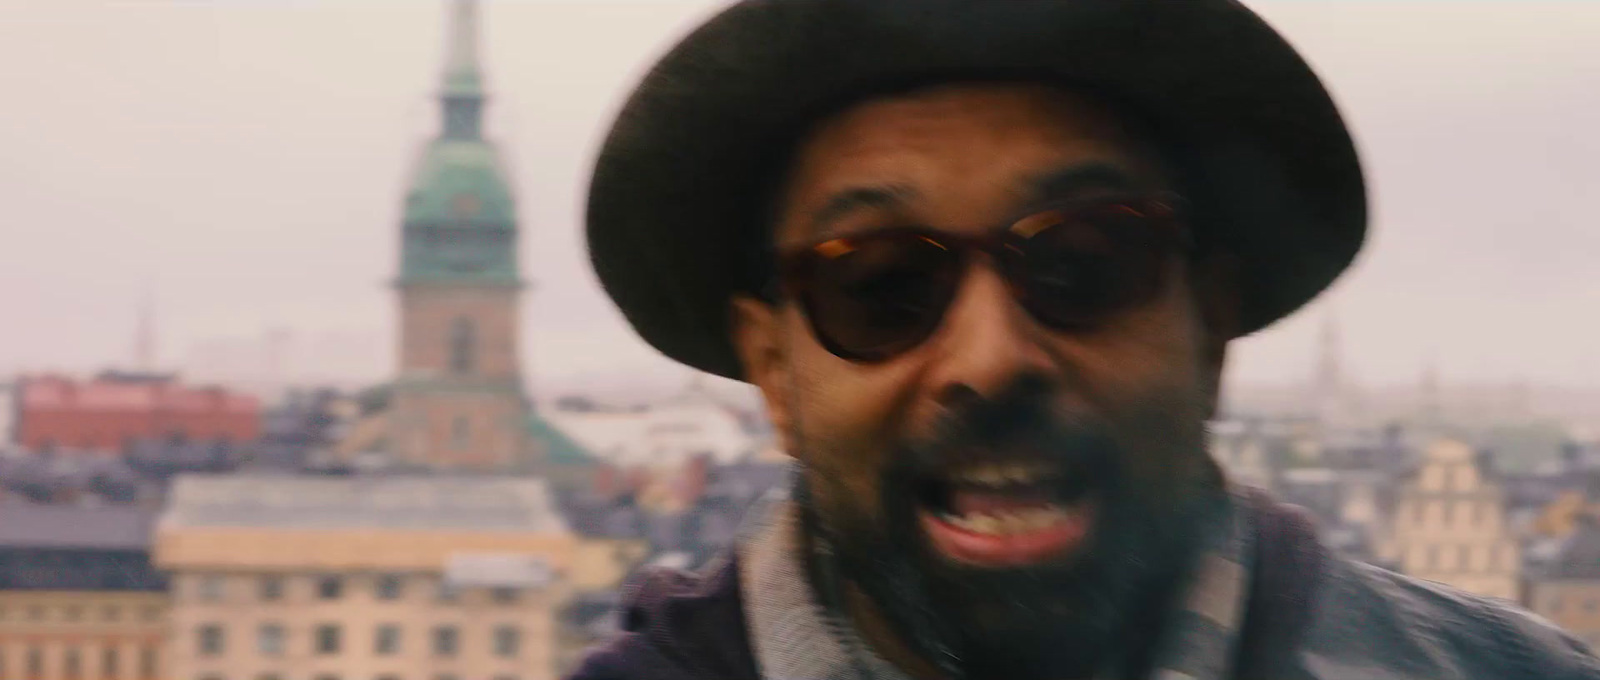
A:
x,y
110,411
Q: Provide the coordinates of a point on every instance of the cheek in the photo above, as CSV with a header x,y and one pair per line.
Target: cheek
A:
x,y
847,420
1146,375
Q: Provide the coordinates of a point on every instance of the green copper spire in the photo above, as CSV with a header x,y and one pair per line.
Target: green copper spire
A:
x,y
460,216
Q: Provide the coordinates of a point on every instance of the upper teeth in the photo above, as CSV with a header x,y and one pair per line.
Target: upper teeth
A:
x,y
1014,522
996,474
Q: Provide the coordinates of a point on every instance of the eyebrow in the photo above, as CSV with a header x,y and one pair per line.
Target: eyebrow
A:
x,y
860,198
1078,179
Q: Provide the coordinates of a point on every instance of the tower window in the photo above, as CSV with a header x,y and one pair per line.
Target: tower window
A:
x,y
460,432
463,346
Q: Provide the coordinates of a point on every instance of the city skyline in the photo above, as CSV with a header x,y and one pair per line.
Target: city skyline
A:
x,y
241,167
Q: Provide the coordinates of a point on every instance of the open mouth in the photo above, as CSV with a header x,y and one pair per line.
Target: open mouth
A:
x,y
1005,514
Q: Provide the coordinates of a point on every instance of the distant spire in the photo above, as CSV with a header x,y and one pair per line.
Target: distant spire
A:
x,y
144,336
462,92
1327,384
1429,408
461,48
1329,371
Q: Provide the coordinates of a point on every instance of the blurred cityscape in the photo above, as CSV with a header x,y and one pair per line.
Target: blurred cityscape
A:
x,y
445,525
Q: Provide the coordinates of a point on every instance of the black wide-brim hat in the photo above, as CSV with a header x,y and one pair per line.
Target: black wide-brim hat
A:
x,y
678,199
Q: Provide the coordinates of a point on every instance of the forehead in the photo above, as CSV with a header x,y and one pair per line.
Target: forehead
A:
x,y
965,150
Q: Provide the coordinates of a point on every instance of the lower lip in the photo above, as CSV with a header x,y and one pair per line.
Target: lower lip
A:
x,y
1053,542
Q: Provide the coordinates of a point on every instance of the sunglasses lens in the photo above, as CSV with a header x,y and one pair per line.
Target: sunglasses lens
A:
x,y
1075,269
880,296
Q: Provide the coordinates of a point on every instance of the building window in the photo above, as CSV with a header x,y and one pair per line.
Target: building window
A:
x,y
209,588
1553,605
504,595
271,588
212,676
1465,557
270,639
72,665
5,671
505,677
388,677
326,676
211,642
448,592
35,613
444,676
507,640
446,641
463,346
269,676
111,613
151,613
149,662
460,432
386,641
388,587
330,587
72,613
109,663
1432,561
1590,605
35,662
327,639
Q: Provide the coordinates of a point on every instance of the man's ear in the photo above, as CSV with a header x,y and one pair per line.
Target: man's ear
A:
x,y
1218,300
757,335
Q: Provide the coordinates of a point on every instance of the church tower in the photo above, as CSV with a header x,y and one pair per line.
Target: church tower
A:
x,y
458,401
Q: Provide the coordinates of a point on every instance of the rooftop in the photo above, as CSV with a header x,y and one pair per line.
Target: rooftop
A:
x,y
1580,558
404,503
109,528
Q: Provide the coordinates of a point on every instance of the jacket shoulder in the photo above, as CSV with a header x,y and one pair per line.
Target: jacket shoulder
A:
x,y
1374,623
677,625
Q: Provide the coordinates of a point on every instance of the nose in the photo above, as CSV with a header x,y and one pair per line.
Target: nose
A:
x,y
988,343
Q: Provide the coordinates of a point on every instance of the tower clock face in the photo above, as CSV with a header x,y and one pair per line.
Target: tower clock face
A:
x,y
465,206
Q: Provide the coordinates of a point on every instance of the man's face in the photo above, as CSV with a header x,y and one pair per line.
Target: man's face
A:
x,y
1005,484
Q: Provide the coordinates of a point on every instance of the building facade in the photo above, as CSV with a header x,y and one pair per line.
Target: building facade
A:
x,y
107,414
79,599
435,578
1568,594
1450,525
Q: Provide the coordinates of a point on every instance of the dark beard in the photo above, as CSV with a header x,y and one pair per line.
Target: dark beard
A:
x,y
1065,620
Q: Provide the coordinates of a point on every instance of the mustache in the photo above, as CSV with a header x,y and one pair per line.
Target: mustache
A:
x,y
1018,424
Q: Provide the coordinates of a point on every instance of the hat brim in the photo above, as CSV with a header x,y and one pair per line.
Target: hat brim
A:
x,y
675,204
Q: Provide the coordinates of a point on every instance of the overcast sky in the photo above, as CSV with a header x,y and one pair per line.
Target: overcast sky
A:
x,y
242,162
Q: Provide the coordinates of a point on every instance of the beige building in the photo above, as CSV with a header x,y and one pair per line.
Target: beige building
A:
x,y
1569,593
1450,527
396,578
78,597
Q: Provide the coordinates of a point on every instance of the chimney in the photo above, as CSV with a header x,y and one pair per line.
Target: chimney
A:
x,y
695,478
607,482
638,478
